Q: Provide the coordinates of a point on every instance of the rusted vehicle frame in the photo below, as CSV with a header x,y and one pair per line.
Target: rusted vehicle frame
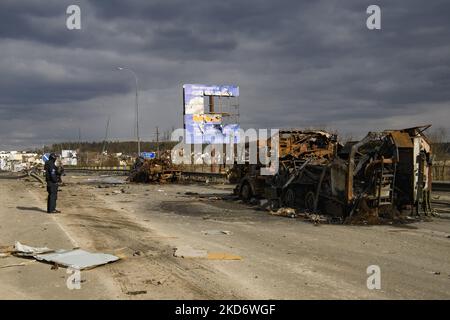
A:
x,y
385,173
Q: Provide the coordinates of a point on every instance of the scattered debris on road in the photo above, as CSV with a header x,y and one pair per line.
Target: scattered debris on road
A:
x,y
285,212
216,232
22,250
292,213
189,252
135,293
6,251
222,256
22,264
106,180
76,258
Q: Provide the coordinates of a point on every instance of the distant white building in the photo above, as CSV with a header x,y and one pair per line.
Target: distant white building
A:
x,y
69,158
3,164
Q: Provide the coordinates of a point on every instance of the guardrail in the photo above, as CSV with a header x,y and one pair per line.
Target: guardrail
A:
x,y
97,168
113,170
202,176
188,175
441,186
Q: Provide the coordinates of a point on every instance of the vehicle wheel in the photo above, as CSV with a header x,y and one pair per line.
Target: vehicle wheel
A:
x,y
309,200
289,198
274,204
246,192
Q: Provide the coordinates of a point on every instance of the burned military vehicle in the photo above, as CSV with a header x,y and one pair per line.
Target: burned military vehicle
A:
x,y
385,174
302,157
157,170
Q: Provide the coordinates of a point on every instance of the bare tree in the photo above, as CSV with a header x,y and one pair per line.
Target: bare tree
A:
x,y
439,142
346,137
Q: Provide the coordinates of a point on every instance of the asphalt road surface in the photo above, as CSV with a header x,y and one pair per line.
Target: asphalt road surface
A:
x,y
280,258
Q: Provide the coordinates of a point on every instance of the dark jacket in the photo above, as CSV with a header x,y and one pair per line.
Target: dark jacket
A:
x,y
51,172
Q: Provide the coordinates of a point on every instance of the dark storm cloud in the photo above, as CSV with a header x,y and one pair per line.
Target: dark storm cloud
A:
x,y
32,20
299,64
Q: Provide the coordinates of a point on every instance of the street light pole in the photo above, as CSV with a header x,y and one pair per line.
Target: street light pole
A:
x,y
137,108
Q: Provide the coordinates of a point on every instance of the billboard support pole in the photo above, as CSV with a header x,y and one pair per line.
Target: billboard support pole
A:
x,y
211,104
211,111
157,142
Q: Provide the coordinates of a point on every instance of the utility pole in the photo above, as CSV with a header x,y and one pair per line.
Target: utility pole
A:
x,y
106,135
104,141
157,142
79,156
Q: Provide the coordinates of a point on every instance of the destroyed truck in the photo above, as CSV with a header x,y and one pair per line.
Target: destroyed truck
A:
x,y
302,156
385,174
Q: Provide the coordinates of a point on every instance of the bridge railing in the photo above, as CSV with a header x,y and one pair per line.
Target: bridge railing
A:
x,y
441,170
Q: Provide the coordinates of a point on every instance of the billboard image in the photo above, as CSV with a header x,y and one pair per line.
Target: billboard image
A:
x,y
207,118
209,132
202,124
194,94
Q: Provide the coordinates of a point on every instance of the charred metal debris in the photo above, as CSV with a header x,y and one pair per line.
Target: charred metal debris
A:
x,y
157,170
386,175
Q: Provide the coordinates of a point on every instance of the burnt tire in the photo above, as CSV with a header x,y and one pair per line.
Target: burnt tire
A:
x,y
246,192
289,198
309,200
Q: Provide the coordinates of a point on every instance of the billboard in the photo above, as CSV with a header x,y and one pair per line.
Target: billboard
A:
x,y
201,125
194,94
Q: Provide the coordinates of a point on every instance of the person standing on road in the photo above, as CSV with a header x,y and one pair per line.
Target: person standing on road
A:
x,y
52,178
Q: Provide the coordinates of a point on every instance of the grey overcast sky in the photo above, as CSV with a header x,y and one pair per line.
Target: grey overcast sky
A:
x,y
298,64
